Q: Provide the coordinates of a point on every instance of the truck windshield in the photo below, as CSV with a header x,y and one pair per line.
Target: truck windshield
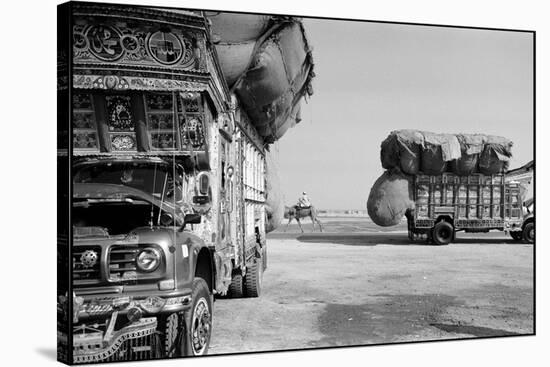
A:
x,y
155,179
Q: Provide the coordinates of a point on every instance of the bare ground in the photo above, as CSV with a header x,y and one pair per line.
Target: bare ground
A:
x,y
369,287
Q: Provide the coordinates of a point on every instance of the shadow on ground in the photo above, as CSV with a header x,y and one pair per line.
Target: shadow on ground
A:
x,y
373,239
395,318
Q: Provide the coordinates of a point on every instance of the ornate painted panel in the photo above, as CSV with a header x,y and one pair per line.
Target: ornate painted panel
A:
x,y
101,42
121,123
84,124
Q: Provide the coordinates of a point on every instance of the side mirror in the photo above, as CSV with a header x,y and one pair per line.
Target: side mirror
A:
x,y
190,219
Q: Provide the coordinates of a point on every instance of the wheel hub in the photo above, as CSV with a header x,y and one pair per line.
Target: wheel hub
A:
x,y
201,326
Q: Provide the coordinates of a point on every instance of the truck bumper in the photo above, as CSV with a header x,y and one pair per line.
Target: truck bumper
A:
x,y
121,328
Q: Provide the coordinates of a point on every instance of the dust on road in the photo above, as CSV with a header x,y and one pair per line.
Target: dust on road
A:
x,y
337,289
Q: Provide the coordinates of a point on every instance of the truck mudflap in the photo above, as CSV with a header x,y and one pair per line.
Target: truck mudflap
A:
x,y
137,341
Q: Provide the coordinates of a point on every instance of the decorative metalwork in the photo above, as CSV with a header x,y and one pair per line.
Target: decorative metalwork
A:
x,y
123,142
120,113
104,42
191,105
192,134
164,84
137,83
84,125
84,140
86,348
110,43
88,259
165,47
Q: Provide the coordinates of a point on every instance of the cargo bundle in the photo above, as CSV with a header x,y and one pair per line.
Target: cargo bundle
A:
x,y
414,152
408,153
390,198
267,61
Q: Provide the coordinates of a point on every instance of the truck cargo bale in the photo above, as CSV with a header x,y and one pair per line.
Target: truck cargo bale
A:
x,y
471,146
235,36
234,59
237,27
390,197
402,149
438,149
389,152
432,162
278,77
267,62
281,124
495,157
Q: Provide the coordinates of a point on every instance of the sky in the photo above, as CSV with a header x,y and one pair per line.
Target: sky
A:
x,y
372,78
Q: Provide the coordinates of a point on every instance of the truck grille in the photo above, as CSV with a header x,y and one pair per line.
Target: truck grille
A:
x,y
122,263
86,263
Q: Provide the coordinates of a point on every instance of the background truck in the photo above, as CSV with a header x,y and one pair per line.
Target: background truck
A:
x,y
447,203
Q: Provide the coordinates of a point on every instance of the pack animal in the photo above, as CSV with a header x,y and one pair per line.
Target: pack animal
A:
x,y
293,212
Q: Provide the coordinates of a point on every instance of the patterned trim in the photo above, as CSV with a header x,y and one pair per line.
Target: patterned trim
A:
x,y
144,327
113,82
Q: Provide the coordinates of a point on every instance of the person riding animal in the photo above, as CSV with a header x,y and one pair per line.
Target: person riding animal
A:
x,y
303,202
302,209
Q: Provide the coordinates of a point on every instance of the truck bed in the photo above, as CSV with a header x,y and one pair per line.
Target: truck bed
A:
x,y
470,202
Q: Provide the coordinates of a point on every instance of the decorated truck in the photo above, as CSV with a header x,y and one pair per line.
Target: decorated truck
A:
x,y
168,194
444,183
447,203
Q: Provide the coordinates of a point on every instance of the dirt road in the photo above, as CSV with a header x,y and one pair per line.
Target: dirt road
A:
x,y
354,288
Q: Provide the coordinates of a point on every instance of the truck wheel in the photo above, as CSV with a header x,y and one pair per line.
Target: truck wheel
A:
x,y
172,329
517,235
253,279
199,320
443,233
236,287
529,232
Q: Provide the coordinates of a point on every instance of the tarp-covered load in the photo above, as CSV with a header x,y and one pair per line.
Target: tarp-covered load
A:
x,y
267,61
390,197
496,155
401,149
471,146
414,151
438,149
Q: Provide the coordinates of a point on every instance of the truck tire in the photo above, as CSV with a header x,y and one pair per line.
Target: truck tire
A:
x,y
529,232
199,320
443,233
236,287
517,235
253,279
172,331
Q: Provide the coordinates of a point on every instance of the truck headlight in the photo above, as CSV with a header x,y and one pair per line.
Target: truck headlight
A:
x,y
148,260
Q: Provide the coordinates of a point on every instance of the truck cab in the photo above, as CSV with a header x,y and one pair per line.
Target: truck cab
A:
x,y
142,282
526,232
